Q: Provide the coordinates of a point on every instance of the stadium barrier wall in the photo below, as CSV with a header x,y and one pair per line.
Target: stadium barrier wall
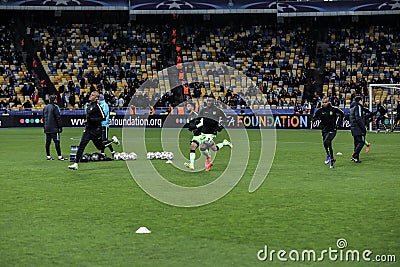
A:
x,y
249,121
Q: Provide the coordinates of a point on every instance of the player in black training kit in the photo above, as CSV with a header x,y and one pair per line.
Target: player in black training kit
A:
x,y
199,138
381,112
93,131
357,124
368,116
331,118
397,119
209,121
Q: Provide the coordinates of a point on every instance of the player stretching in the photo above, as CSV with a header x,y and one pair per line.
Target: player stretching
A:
x,y
331,118
94,116
208,122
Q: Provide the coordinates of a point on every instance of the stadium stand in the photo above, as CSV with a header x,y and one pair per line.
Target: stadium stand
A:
x,y
280,64
358,56
16,79
84,52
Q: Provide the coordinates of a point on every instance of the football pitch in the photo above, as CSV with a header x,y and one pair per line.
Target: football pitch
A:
x,y
53,216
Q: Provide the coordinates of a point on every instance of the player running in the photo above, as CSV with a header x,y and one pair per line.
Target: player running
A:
x,y
331,118
207,123
211,116
196,139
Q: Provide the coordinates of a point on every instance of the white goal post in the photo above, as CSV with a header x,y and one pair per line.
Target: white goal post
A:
x,y
387,94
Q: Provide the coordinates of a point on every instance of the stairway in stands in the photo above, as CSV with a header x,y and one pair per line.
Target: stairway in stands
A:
x,y
320,62
30,53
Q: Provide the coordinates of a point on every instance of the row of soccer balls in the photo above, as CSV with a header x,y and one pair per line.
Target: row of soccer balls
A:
x,y
150,155
125,156
160,155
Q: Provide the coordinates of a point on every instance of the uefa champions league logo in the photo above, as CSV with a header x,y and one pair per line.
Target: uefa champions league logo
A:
x,y
174,4
390,5
282,7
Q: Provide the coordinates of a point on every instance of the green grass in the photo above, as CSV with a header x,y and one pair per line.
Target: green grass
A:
x,y
52,216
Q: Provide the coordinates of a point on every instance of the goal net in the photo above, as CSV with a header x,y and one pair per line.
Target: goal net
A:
x,y
388,95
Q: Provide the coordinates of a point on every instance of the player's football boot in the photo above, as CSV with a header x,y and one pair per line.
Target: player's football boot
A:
x,y
115,140
208,164
49,158
227,143
367,148
208,160
61,158
327,159
355,160
189,165
332,164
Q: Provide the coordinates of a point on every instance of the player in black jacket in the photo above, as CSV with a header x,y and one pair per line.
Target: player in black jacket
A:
x,y
397,119
357,124
331,118
52,127
381,112
197,124
94,116
212,120
368,116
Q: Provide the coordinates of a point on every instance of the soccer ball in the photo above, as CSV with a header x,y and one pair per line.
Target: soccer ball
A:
x,y
117,156
132,156
95,157
124,156
163,155
85,158
169,155
150,155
